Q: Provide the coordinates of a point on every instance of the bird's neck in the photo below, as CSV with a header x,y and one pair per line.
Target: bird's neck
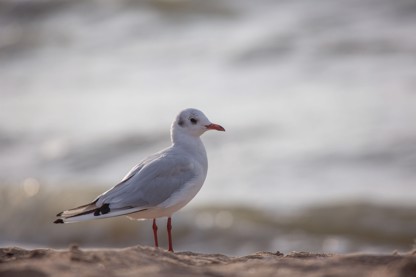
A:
x,y
191,144
185,139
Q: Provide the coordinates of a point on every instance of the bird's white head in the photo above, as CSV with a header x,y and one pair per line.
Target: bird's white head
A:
x,y
192,122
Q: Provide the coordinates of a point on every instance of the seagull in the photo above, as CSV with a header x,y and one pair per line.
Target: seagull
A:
x,y
159,185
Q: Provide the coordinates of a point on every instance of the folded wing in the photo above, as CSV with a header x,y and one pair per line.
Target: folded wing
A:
x,y
147,185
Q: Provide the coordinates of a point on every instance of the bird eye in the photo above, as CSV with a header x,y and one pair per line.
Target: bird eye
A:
x,y
193,121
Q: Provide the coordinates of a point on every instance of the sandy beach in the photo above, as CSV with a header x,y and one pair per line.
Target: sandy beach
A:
x,y
148,261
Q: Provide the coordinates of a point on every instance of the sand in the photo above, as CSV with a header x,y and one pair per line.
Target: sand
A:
x,y
148,261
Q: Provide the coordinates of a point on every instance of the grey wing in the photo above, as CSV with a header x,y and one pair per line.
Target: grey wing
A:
x,y
138,167
123,183
150,184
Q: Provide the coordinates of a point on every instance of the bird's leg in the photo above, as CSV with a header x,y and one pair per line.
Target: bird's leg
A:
x,y
169,227
155,232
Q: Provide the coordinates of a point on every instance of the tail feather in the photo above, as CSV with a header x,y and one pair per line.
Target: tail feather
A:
x,y
91,211
84,209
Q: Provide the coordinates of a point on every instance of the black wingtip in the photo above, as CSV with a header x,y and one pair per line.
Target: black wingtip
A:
x,y
59,221
104,209
60,214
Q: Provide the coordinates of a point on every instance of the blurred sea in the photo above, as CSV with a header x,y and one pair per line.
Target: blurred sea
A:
x,y
317,97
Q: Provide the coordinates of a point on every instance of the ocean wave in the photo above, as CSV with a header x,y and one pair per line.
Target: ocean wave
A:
x,y
97,153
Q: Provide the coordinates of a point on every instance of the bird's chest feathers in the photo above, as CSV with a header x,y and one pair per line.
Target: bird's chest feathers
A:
x,y
189,188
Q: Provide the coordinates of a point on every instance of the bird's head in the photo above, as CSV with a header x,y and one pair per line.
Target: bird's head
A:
x,y
193,122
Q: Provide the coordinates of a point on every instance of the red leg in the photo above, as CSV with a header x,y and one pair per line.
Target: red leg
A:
x,y
155,232
169,233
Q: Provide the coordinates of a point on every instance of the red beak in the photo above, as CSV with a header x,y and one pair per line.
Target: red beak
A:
x,y
213,126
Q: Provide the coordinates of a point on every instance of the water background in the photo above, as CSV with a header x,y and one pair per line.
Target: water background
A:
x,y
317,97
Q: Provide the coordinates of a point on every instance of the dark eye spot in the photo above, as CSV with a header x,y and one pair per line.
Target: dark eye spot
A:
x,y
193,121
